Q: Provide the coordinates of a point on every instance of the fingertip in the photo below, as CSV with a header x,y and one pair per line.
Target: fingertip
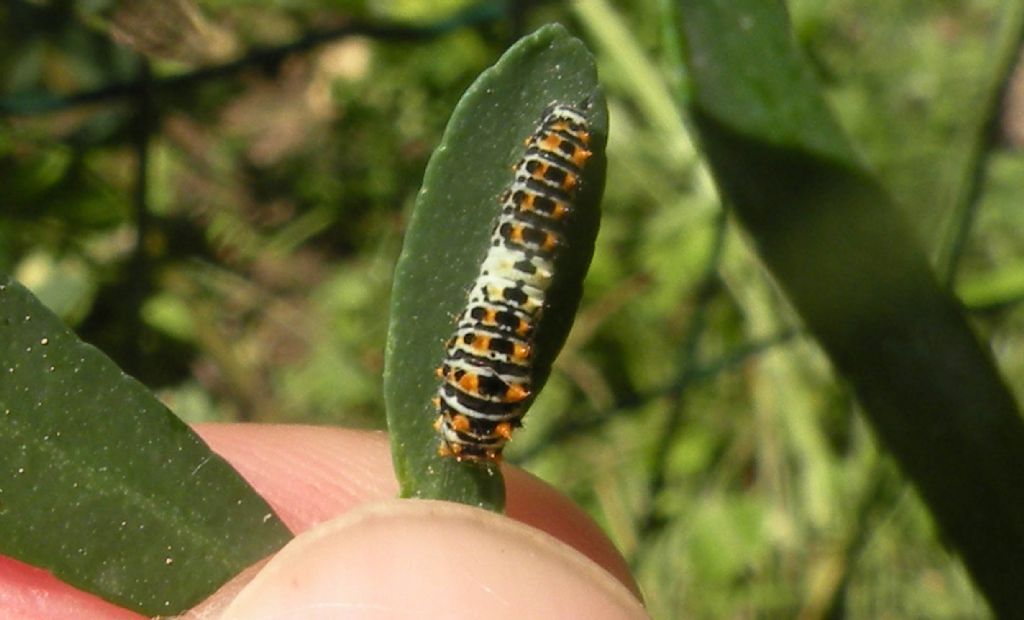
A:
x,y
306,473
30,593
430,559
310,474
537,503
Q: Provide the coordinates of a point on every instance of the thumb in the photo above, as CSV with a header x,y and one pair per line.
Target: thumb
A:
x,y
428,559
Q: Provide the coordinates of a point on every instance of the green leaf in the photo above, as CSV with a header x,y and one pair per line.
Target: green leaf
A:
x,y
992,289
449,234
102,485
852,268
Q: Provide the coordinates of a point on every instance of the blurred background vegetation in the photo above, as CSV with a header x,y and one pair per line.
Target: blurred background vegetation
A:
x,y
213,192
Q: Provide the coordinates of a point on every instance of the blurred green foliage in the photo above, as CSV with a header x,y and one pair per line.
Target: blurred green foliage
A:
x,y
248,281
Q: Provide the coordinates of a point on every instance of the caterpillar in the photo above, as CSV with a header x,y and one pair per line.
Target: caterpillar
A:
x,y
486,375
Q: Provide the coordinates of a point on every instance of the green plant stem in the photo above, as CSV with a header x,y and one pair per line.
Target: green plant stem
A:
x,y
984,129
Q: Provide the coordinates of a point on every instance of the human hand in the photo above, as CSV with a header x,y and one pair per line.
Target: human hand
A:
x,y
361,554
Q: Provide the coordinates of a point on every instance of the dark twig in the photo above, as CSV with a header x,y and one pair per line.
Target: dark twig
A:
x,y
1007,57
138,266
44,103
726,363
688,363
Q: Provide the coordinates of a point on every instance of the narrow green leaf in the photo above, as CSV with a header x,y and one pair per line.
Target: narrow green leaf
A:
x,y
104,486
861,282
448,236
998,287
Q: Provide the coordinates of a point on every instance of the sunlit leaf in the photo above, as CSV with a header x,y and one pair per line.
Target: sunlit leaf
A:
x,y
102,485
448,236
